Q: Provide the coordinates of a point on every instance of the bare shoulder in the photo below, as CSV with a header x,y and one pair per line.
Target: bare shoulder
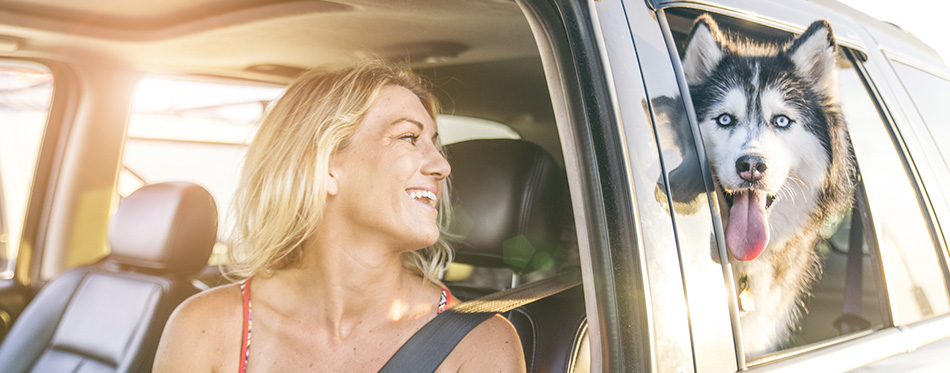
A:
x,y
200,330
493,346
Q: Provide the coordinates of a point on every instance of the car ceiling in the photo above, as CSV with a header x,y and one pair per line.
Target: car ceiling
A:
x,y
258,39
480,54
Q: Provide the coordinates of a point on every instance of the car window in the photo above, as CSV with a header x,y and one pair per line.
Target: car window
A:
x,y
929,93
819,312
25,93
916,285
197,131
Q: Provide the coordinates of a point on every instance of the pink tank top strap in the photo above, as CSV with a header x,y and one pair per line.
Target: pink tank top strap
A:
x,y
444,300
246,334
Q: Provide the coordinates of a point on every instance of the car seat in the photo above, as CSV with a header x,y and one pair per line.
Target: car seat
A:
x,y
511,209
109,316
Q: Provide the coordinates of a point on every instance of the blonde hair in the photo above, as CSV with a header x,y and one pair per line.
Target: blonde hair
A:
x,y
282,193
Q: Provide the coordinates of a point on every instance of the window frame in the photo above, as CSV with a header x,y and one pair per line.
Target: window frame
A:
x,y
604,210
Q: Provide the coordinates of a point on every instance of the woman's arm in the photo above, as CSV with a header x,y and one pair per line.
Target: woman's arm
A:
x,y
197,335
493,346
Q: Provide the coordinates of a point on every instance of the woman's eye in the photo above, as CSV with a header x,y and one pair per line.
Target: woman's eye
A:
x,y
410,138
725,120
781,121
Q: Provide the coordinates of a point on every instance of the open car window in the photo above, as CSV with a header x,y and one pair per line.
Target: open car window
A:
x,y
893,234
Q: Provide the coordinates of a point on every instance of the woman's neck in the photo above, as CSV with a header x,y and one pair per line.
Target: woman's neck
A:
x,y
345,287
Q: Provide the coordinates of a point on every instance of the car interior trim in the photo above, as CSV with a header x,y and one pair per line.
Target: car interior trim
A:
x,y
63,112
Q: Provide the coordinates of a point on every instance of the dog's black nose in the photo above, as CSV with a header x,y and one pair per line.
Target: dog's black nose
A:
x,y
751,168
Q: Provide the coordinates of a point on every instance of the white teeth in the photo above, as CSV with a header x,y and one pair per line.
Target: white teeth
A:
x,y
419,194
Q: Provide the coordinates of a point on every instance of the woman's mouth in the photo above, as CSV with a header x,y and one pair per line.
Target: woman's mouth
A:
x,y
424,196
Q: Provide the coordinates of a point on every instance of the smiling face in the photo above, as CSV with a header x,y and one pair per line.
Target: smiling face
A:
x,y
387,179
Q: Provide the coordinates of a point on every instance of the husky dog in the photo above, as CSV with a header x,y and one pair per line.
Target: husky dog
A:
x,y
781,156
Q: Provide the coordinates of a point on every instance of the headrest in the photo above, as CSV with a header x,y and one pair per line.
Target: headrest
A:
x,y
167,226
510,203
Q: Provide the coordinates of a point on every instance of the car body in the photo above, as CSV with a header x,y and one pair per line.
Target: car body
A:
x,y
582,79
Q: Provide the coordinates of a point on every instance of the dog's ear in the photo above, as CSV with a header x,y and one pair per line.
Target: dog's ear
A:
x,y
814,55
703,49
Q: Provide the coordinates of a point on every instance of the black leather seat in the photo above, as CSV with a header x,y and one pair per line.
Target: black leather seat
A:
x,y
108,317
512,206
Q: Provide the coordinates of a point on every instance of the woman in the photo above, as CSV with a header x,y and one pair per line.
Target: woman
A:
x,y
338,237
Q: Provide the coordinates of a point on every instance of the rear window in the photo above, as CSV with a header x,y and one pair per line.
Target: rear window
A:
x,y
197,131
25,94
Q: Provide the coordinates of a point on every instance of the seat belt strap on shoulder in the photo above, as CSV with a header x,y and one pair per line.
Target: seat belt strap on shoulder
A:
x,y
426,349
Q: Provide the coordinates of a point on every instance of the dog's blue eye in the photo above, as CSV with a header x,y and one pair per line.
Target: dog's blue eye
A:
x,y
725,120
781,121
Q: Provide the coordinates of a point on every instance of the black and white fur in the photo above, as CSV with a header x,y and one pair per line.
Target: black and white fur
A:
x,y
800,166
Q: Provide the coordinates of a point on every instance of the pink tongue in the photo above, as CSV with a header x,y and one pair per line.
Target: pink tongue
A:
x,y
747,232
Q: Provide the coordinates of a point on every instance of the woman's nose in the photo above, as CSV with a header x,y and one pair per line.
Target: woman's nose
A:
x,y
435,164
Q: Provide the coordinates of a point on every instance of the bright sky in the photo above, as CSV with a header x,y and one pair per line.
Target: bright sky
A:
x,y
926,19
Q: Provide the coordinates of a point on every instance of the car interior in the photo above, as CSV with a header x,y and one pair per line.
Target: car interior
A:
x,y
108,316
519,226
101,255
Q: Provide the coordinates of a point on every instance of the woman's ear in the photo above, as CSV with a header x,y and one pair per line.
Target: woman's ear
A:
x,y
332,186
333,176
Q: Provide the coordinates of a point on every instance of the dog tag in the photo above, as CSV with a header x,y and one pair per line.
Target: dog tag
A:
x,y
746,300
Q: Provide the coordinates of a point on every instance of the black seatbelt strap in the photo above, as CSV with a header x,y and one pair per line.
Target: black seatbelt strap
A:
x,y
426,349
850,320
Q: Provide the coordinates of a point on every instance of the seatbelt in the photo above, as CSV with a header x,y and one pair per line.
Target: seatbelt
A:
x,y
850,320
426,349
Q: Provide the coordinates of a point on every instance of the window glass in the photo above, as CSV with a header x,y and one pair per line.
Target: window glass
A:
x,y
813,309
198,131
25,95
916,284
930,94
193,131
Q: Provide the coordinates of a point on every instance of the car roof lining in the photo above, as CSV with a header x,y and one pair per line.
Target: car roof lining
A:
x,y
214,38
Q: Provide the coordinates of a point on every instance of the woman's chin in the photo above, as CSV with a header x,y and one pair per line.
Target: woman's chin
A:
x,y
425,239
